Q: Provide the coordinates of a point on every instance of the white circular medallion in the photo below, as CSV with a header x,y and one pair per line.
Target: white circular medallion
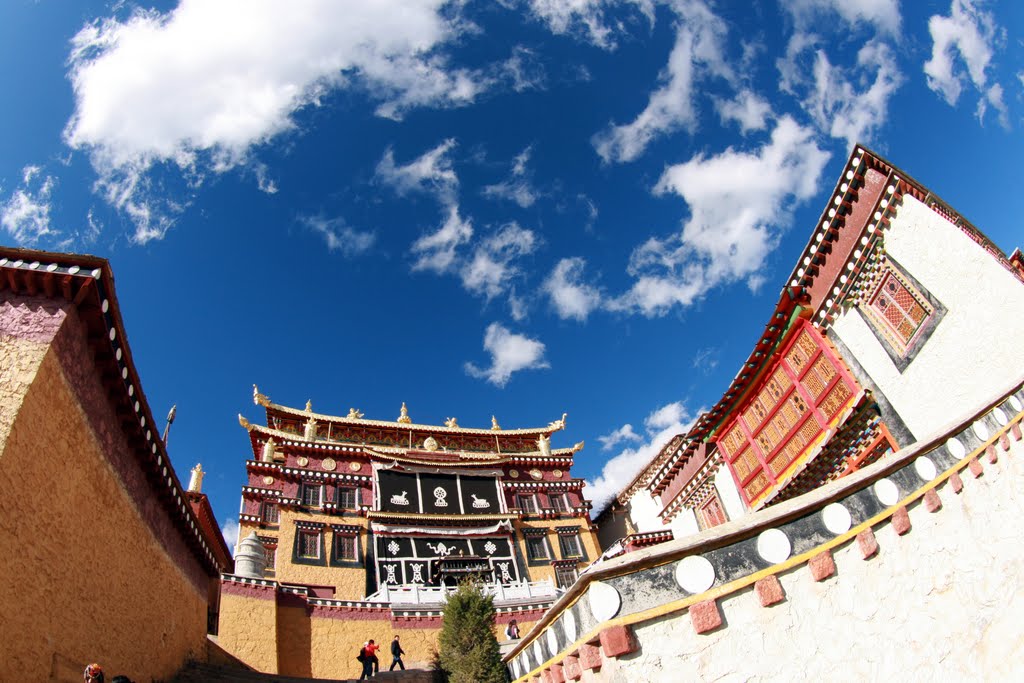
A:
x,y
329,464
302,461
569,625
268,480
774,546
1016,404
537,652
524,662
355,466
887,492
695,574
955,448
536,474
836,518
552,639
516,669
980,430
514,474
925,468
604,601
1000,416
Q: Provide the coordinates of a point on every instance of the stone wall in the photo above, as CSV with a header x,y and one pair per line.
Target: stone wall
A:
x,y
281,630
910,566
86,574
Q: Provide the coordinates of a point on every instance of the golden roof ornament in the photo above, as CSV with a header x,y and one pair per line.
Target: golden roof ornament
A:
x,y
195,482
309,405
310,432
403,415
544,446
245,423
258,398
494,424
451,423
269,450
430,444
558,424
354,414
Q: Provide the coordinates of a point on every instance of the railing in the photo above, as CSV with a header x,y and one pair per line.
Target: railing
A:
x,y
414,594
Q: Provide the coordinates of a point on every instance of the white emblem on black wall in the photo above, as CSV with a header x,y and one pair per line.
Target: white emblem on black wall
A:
x,y
439,497
480,502
402,499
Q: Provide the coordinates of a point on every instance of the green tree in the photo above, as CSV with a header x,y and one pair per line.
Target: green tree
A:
x,y
469,651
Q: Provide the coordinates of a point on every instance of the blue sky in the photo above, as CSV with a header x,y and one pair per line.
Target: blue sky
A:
x,y
508,208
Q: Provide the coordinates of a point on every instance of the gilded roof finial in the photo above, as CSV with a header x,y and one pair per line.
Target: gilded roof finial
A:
x,y
309,405
403,415
558,424
258,398
195,482
494,423
451,423
354,414
245,423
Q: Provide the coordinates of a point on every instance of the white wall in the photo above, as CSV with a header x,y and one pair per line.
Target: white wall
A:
x,y
729,494
684,523
979,338
643,510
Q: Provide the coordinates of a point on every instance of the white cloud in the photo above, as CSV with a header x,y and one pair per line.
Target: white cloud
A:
x,y
518,187
747,109
621,469
582,18
706,360
203,84
839,108
739,204
26,214
510,353
431,172
620,435
698,49
569,294
230,532
339,236
437,251
972,33
884,15
491,269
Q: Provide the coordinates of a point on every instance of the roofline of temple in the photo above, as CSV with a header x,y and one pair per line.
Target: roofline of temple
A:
x,y
262,400
288,438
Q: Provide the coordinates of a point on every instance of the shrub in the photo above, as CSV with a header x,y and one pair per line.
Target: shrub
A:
x,y
469,651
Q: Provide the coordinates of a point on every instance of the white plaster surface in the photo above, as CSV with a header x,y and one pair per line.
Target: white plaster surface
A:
x,y
729,494
684,523
941,603
643,511
979,337
604,601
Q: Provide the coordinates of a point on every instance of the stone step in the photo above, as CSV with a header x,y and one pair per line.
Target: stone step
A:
x,y
207,673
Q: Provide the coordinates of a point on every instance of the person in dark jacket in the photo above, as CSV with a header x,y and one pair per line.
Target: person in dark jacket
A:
x,y
396,655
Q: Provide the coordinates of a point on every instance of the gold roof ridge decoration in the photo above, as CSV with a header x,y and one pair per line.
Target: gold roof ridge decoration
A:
x,y
263,400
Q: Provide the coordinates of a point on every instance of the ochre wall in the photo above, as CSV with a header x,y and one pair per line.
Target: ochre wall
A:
x,y
248,626
82,577
286,637
543,572
349,582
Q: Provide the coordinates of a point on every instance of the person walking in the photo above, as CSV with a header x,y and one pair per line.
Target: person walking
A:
x,y
396,655
512,632
367,657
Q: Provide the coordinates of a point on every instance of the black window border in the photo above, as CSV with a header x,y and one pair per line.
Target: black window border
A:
x,y
335,561
313,561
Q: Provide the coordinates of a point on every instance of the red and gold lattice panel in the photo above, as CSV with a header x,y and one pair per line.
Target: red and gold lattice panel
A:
x,y
804,394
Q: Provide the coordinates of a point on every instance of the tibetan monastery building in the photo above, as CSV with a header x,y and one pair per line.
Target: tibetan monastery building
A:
x,y
354,528
897,315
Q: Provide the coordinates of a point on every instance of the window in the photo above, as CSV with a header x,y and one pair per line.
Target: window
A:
x,y
537,548
312,494
308,544
570,545
346,497
711,513
565,576
345,548
901,313
269,513
559,502
270,550
527,502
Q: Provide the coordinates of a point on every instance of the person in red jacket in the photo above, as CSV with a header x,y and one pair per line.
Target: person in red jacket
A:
x,y
371,665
